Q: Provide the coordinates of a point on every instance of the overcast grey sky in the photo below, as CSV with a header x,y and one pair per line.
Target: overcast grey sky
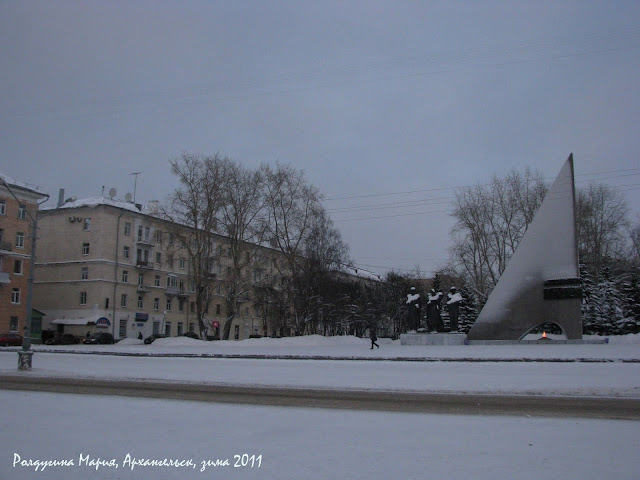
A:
x,y
369,98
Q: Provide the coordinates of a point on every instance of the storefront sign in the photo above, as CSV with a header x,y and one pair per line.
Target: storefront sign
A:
x,y
103,322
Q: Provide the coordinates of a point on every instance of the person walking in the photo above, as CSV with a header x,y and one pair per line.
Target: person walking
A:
x,y
373,337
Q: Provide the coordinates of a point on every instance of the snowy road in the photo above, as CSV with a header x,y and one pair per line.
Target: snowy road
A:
x,y
409,402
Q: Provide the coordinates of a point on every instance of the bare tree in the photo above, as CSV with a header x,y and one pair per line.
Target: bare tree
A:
x,y
241,220
193,210
490,221
293,206
324,255
602,215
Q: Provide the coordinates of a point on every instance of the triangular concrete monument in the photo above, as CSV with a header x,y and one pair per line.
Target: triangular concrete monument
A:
x,y
542,280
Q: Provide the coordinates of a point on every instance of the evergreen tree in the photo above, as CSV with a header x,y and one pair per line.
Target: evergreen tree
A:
x,y
469,310
588,316
606,303
630,291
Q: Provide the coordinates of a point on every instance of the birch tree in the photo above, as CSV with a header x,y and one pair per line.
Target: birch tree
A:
x,y
292,205
195,205
490,221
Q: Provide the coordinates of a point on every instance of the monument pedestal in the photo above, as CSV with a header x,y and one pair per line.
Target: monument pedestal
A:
x,y
432,339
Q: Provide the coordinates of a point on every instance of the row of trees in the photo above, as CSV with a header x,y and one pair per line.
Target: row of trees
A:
x,y
272,206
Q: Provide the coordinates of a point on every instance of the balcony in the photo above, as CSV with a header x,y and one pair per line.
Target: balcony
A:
x,y
143,288
6,246
147,241
144,264
171,291
182,293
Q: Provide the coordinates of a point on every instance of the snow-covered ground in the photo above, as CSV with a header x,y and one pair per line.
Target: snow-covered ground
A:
x,y
611,370
302,443
316,443
625,347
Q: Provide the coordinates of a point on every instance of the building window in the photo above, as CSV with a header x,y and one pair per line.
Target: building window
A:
x,y
157,281
236,333
122,331
167,329
3,206
19,240
123,300
22,211
87,225
13,324
17,267
168,304
125,276
140,302
127,228
159,258
126,253
180,328
106,303
159,237
156,304
83,298
85,249
156,328
15,296
85,273
171,239
192,328
180,305
192,307
141,280
246,311
183,263
218,309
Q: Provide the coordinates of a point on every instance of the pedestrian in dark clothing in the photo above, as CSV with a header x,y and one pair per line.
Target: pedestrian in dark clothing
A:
x,y
373,337
140,336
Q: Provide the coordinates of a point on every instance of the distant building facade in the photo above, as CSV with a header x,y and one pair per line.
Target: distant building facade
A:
x,y
18,206
107,265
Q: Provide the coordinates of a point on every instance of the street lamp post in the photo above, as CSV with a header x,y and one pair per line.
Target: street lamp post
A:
x,y
25,356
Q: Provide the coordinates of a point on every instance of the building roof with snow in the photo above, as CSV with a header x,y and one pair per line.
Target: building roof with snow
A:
x,y
12,182
72,202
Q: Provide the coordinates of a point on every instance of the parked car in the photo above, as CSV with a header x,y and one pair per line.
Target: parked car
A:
x,y
10,339
191,335
62,339
102,338
152,338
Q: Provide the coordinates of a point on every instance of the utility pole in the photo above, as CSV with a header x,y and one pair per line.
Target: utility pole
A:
x,y
135,184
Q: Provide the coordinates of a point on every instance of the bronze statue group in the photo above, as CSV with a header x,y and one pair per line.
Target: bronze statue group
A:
x,y
435,302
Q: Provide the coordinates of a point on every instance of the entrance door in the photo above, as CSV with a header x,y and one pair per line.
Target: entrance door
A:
x,y
122,333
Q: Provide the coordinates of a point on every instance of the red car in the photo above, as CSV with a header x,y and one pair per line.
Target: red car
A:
x,y
10,339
